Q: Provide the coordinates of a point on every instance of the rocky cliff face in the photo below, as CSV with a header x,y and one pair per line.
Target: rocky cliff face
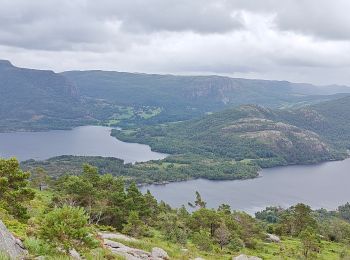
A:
x,y
10,245
29,96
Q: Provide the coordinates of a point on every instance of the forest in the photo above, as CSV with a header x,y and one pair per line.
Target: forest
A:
x,y
172,168
248,138
54,216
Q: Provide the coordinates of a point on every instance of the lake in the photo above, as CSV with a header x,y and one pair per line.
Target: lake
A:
x,y
324,185
85,140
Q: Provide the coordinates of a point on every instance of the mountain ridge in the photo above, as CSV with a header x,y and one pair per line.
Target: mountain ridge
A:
x,y
33,99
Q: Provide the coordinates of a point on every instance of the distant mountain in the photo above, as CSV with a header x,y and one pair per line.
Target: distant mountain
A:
x,y
309,89
40,99
36,98
183,97
330,119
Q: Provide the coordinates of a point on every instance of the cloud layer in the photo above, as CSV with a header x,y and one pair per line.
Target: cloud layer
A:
x,y
304,41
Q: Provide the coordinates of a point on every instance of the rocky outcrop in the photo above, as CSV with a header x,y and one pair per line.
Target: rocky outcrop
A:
x,y
245,257
108,235
11,245
159,253
130,253
273,238
75,254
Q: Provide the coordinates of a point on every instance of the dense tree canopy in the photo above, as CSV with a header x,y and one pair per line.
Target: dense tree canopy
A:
x,y
14,189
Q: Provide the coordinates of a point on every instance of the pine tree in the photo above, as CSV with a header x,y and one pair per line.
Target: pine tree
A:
x,y
135,200
135,227
14,191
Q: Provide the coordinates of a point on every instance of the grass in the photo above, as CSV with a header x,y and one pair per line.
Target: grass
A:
x,y
14,226
289,249
4,256
159,165
40,202
125,113
147,114
113,122
100,254
38,247
175,251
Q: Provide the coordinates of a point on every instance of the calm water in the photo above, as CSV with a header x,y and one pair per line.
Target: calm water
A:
x,y
85,140
325,185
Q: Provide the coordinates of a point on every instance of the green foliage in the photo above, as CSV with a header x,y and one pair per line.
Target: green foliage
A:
x,y
101,254
298,219
39,178
270,214
4,256
202,240
328,119
247,229
14,190
209,233
205,219
235,143
105,198
67,227
135,227
199,202
336,230
222,235
235,244
61,165
310,242
39,247
344,211
173,227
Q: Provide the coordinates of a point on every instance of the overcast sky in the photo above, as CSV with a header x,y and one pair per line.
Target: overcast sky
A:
x,y
296,40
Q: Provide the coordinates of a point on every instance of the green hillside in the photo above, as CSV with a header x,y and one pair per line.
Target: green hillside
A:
x,y
31,99
251,136
329,119
228,145
102,218
37,99
185,97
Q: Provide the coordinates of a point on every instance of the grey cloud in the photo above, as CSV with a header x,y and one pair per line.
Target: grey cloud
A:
x,y
319,18
65,24
324,19
181,15
287,39
104,24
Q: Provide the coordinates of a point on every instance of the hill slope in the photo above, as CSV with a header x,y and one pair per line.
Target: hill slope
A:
x,y
252,133
36,98
183,97
246,133
329,119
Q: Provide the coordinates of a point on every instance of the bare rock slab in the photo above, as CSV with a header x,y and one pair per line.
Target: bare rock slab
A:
x,y
245,257
11,245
